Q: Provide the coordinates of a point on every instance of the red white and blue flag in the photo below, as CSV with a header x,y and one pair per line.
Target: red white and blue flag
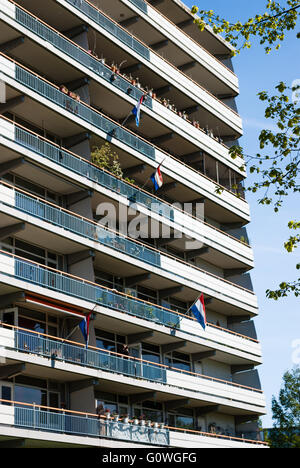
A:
x,y
198,310
137,111
157,178
85,328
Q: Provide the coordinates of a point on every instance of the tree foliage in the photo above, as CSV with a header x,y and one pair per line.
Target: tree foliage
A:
x,y
277,166
269,27
286,413
105,158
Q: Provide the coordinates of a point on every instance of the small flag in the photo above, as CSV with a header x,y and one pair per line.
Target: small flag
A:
x,y
157,179
137,111
198,310
85,328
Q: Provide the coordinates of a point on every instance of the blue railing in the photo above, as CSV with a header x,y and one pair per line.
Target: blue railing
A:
x,y
140,4
93,173
58,281
86,229
98,359
84,58
111,27
66,423
84,112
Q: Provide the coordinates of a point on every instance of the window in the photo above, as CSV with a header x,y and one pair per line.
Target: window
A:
x,y
109,341
146,294
151,353
149,410
38,322
32,188
178,361
36,391
113,402
32,252
6,394
180,420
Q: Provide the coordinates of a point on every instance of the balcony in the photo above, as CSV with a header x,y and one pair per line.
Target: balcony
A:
x,y
220,115
163,264
133,194
70,423
102,126
53,420
158,119
176,45
181,383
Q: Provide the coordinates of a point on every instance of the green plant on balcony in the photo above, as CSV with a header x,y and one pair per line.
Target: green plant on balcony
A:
x,y
105,158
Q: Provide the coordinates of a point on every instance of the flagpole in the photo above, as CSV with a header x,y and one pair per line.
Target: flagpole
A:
x,y
126,119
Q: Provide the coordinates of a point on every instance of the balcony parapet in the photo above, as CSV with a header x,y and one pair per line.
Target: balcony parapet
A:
x,y
37,417
63,350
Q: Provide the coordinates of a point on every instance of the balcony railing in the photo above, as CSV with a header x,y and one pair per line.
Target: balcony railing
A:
x,y
85,112
64,350
65,283
83,227
135,44
73,50
143,6
84,168
100,121
32,342
96,174
47,419
77,53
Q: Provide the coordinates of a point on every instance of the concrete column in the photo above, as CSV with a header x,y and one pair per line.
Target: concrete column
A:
x,y
83,399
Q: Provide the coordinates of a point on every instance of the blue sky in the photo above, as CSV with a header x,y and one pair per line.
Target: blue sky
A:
x,y
278,322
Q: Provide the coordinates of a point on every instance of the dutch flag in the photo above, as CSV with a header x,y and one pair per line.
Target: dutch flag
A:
x,y
198,310
157,178
137,111
85,328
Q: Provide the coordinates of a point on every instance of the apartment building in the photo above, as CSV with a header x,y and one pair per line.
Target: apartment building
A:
x,y
76,188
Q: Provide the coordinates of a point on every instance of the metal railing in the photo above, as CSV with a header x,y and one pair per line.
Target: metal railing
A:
x,y
65,283
111,27
85,112
58,40
124,36
98,175
84,228
32,342
55,420
84,168
28,342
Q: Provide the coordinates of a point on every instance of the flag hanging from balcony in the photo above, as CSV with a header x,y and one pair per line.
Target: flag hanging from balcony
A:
x,y
137,111
198,310
85,328
157,178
